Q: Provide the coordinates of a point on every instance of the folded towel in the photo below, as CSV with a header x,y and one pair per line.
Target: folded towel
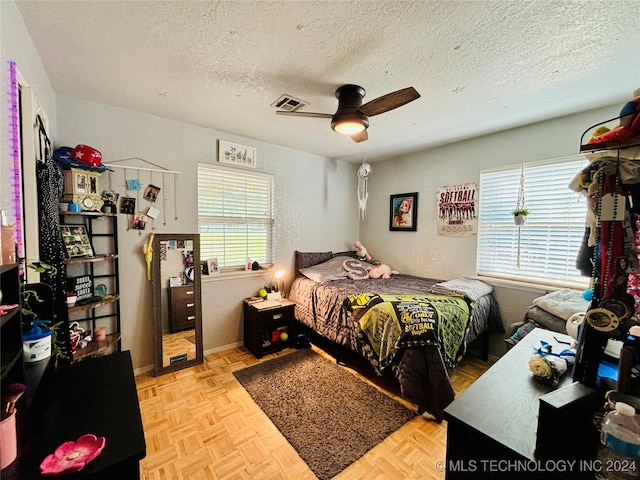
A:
x,y
471,288
562,303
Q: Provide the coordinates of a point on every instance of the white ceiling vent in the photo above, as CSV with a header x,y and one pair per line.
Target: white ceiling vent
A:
x,y
289,103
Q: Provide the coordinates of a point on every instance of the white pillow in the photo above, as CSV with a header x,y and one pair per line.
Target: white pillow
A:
x,y
327,271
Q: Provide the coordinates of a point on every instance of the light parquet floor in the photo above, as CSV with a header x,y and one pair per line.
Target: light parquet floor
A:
x,y
200,424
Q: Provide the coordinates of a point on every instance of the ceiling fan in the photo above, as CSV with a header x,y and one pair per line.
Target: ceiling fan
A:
x,y
352,117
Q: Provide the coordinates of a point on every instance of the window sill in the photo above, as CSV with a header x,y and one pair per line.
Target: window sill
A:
x,y
528,287
235,274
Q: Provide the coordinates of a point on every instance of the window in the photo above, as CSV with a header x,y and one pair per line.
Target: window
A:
x,y
545,248
235,215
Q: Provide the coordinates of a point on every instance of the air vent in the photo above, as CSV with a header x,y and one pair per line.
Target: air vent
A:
x,y
288,103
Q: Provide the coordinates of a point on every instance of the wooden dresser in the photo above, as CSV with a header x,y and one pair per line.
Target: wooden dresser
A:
x,y
182,308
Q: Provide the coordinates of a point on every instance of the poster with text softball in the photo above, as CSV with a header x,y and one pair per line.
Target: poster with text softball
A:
x,y
457,210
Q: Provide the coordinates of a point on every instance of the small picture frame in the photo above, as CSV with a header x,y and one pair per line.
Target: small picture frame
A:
x,y
151,193
76,241
212,266
403,212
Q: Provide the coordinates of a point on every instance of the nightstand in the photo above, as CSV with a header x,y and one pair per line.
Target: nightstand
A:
x,y
264,323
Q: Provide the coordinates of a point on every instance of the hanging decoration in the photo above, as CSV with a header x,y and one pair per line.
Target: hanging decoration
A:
x,y
140,220
147,250
363,193
150,193
16,170
520,212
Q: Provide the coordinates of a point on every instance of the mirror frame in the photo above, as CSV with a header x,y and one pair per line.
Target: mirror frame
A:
x,y
156,285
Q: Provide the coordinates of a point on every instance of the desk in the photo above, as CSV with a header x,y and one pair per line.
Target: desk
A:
x,y
97,395
496,418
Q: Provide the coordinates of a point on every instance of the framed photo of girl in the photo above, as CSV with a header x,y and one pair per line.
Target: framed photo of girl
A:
x,y
403,212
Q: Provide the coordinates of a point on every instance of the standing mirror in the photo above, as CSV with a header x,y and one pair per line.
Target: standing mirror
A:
x,y
177,310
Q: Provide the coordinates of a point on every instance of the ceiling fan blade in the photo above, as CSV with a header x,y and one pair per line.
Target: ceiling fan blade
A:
x,y
304,114
389,101
360,137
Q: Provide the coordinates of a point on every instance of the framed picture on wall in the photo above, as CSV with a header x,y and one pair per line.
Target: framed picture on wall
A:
x,y
236,154
403,212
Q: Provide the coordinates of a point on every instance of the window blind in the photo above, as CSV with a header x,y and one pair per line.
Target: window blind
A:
x,y
235,215
549,241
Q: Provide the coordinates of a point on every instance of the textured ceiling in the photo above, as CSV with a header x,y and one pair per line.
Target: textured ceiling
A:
x,y
480,66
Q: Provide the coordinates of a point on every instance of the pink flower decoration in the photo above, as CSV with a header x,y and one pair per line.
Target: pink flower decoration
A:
x,y
72,456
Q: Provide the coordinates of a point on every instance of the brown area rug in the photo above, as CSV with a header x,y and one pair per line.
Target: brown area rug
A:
x,y
327,414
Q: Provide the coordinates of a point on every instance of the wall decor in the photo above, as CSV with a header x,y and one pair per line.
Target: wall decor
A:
x,y
236,154
403,212
82,286
151,193
457,210
76,241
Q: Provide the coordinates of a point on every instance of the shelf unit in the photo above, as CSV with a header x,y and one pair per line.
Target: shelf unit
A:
x,y
102,268
14,368
617,307
11,324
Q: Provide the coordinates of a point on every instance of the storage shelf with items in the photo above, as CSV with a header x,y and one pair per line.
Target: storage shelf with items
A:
x,y
93,284
610,183
11,325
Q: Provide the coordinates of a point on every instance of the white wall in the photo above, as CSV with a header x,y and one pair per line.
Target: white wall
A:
x,y
16,46
312,199
424,252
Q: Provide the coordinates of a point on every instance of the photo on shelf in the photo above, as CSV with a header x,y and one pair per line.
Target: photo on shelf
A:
x,y
76,241
212,266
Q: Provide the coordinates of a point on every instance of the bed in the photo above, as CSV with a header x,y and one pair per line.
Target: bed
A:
x,y
416,327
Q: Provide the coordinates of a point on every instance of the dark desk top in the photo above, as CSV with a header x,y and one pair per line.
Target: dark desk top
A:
x,y
503,403
98,396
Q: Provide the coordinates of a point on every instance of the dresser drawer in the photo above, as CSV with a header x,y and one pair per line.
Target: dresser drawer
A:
x,y
182,308
278,315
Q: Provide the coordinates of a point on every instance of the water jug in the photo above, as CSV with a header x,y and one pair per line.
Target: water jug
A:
x,y
619,450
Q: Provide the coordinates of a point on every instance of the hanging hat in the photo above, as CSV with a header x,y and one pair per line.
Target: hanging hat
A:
x,y
87,154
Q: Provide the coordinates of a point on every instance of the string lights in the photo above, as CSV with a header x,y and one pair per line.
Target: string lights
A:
x,y
14,145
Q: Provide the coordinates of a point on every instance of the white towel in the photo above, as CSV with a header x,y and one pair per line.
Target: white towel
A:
x,y
473,289
562,303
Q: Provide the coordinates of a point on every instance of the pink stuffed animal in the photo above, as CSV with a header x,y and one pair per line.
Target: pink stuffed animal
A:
x,y
361,251
382,271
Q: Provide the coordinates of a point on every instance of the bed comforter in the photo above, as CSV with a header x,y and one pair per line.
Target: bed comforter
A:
x,y
361,315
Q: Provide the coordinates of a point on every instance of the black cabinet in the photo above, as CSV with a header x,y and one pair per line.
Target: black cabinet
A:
x,y
492,426
264,325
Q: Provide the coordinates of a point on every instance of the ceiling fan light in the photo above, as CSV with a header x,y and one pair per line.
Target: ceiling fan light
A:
x,y
349,127
349,123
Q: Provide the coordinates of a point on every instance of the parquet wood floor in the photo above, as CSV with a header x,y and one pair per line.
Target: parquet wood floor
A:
x,y
200,424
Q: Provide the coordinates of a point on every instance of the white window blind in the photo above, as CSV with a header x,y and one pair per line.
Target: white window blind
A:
x,y
552,235
235,215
